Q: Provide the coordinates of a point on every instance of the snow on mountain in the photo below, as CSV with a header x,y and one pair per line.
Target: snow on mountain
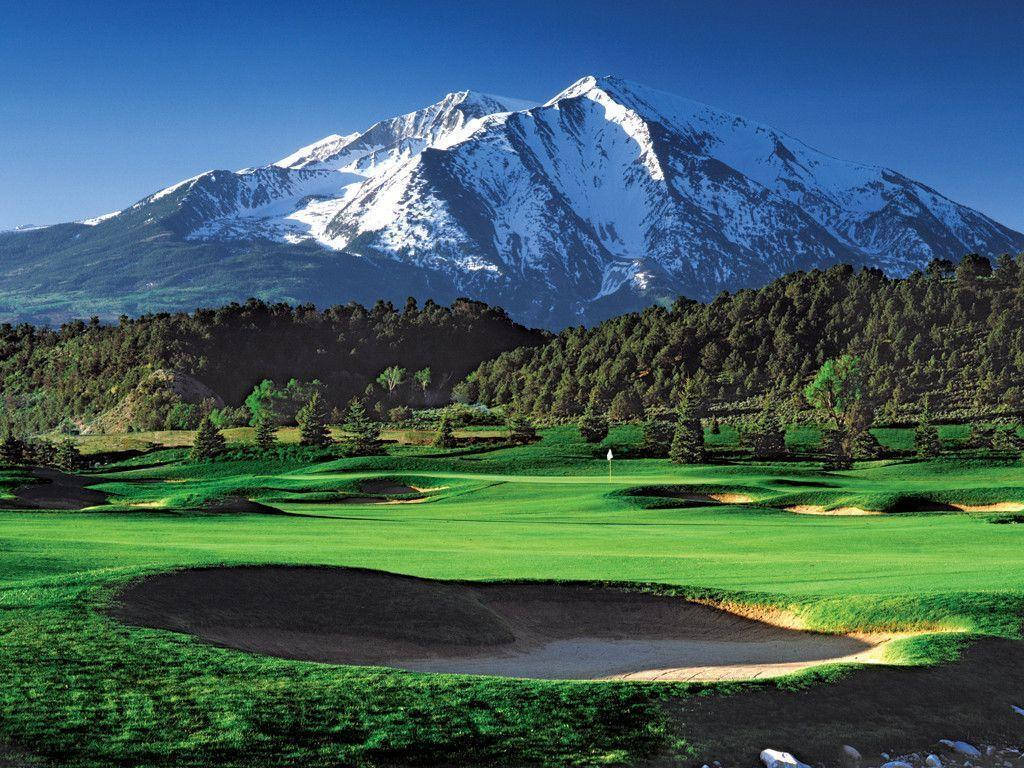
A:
x,y
612,187
603,199
316,152
97,219
401,137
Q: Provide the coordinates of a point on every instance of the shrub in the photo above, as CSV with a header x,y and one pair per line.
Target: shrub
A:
x,y
399,414
763,436
183,416
280,404
521,429
982,437
1008,439
13,451
625,406
445,435
41,452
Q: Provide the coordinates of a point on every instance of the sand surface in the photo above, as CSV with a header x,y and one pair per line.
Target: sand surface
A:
x,y
1000,506
816,509
557,631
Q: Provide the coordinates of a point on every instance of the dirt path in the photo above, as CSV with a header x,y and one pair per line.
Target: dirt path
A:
x,y
552,631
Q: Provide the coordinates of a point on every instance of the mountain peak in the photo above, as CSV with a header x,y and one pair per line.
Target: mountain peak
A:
x,y
486,103
610,84
317,151
628,93
609,197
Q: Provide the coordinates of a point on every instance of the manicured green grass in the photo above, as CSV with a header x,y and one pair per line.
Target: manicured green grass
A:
x,y
83,690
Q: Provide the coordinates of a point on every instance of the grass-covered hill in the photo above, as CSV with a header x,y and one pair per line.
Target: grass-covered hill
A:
x,y
84,369
949,340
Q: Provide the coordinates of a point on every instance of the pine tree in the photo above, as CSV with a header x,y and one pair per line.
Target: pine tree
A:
x,y
312,418
765,434
926,440
67,457
209,443
445,434
42,453
659,430
1009,439
266,435
687,441
865,446
593,425
364,432
624,406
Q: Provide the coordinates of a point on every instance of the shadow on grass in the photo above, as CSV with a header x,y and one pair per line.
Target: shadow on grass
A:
x,y
876,709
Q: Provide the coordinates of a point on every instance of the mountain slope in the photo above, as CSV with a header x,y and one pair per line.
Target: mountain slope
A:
x,y
608,197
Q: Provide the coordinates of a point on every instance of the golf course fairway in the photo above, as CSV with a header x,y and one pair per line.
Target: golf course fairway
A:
x,y
91,679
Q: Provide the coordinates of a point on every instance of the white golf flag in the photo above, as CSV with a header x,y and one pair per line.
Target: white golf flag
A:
x,y
610,454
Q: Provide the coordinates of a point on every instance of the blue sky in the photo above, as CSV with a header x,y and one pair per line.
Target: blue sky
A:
x,y
101,104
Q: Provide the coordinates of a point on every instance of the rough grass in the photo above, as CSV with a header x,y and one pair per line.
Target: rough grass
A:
x,y
81,690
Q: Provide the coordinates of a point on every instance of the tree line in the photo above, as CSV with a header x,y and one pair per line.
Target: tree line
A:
x,y
947,341
68,376
836,401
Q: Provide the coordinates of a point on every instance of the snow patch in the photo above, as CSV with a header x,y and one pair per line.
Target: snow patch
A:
x,y
98,219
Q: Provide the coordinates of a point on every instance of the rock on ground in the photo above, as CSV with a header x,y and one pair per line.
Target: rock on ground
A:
x,y
773,758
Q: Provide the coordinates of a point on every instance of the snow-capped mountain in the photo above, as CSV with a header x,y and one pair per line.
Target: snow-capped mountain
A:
x,y
607,197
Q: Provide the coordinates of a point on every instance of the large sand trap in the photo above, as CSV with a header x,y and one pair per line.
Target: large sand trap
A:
x,y
553,631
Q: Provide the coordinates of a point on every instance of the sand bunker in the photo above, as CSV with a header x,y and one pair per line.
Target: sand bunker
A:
x,y
908,506
551,631
58,490
386,487
816,509
691,494
382,490
731,498
1000,506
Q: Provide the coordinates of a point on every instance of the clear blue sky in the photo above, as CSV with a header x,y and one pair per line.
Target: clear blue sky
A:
x,y
101,104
